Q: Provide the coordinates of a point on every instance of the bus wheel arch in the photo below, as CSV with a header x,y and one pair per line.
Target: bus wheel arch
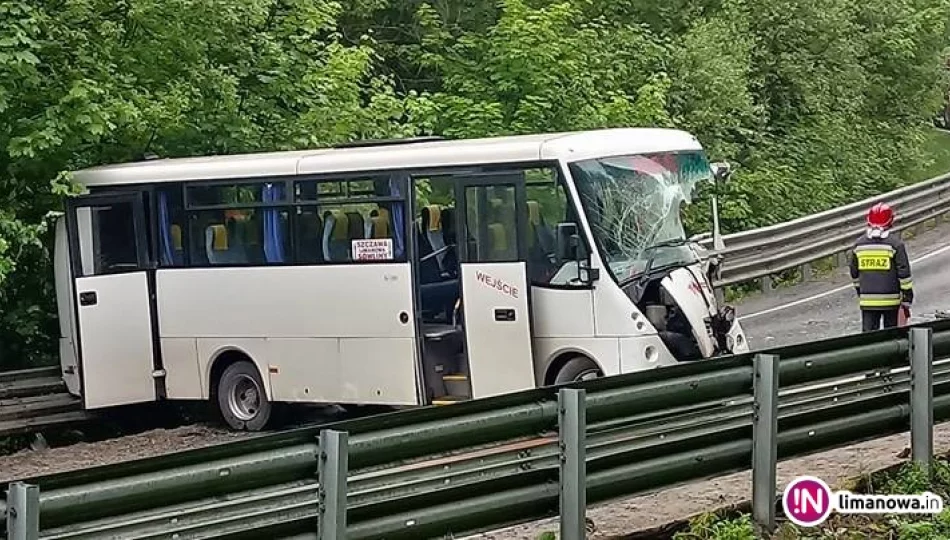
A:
x,y
571,366
238,390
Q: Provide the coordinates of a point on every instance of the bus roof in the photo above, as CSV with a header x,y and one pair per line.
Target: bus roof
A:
x,y
567,146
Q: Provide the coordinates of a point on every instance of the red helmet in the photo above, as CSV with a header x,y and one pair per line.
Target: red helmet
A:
x,y
880,216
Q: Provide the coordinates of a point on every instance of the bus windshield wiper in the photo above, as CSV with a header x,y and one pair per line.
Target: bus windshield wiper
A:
x,y
648,267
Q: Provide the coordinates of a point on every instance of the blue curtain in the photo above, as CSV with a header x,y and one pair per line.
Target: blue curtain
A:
x,y
273,233
398,213
164,224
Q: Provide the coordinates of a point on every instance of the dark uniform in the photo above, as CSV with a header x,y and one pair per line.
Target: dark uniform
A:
x,y
880,271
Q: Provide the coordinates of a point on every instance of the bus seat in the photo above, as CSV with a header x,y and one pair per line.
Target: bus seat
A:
x,y
498,242
434,233
449,236
438,298
244,237
534,221
428,268
379,224
448,225
250,229
217,237
176,236
218,246
534,212
546,237
311,235
495,207
541,244
335,236
178,250
354,226
543,234
503,212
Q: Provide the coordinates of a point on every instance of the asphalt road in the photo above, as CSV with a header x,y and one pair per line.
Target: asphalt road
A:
x,y
828,308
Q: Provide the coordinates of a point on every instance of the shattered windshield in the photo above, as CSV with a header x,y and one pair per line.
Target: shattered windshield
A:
x,y
633,206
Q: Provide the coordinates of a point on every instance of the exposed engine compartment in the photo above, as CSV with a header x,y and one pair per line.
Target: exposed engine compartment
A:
x,y
661,309
675,304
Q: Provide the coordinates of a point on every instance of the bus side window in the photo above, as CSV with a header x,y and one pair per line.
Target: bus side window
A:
x,y
547,207
326,233
107,238
491,221
257,236
250,224
333,215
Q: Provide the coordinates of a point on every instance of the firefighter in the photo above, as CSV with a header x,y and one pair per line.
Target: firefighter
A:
x,y
880,271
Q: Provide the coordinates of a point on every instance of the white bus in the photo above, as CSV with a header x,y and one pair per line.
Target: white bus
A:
x,y
398,273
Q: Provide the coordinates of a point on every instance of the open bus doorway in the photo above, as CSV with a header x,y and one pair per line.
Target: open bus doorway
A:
x,y
473,287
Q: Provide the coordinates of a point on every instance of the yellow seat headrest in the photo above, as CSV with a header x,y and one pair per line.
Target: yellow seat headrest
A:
x,y
499,239
341,229
380,219
380,227
176,237
534,213
435,217
219,238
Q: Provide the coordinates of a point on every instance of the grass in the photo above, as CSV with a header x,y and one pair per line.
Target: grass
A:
x,y
906,479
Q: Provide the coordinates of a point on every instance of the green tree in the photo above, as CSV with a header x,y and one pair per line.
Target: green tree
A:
x,y
92,81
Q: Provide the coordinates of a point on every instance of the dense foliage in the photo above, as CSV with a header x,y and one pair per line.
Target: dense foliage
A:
x,y
816,102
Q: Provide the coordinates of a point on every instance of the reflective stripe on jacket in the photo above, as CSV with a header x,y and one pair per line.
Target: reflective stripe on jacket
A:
x,y
880,271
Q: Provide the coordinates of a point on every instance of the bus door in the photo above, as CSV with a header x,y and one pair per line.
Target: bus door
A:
x,y
112,293
494,283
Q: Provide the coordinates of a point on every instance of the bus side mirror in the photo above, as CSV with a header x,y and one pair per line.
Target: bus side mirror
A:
x,y
567,242
721,171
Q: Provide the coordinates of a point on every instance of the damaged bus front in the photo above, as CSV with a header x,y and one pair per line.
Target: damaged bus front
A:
x,y
633,204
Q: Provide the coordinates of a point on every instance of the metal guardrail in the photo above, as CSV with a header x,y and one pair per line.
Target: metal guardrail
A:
x,y
763,252
489,463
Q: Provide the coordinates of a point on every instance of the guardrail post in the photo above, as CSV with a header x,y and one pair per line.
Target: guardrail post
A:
x,y
331,473
572,432
764,439
921,396
806,272
23,512
841,259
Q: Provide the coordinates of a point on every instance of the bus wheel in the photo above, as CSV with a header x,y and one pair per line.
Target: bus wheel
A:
x,y
241,397
577,369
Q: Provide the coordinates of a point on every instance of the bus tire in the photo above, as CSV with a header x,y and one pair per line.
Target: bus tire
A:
x,y
241,398
578,368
